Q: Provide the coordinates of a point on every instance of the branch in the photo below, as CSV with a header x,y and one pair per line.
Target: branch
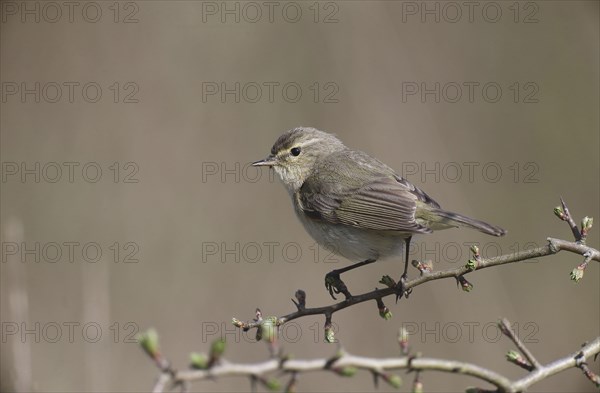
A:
x,y
345,364
554,246
588,350
531,363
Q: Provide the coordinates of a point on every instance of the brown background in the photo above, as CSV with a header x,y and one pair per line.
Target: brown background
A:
x,y
172,212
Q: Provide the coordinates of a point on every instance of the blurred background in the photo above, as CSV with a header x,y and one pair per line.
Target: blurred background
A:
x,y
127,201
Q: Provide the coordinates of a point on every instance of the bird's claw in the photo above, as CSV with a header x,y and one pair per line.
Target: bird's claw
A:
x,y
334,284
401,290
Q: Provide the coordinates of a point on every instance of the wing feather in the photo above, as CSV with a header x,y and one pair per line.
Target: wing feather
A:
x,y
351,188
384,204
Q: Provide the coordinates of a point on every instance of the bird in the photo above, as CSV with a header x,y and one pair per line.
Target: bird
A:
x,y
354,205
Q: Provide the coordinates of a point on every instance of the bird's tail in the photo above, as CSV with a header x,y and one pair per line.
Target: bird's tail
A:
x,y
444,217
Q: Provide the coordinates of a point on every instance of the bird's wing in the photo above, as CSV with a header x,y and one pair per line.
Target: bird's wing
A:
x,y
372,199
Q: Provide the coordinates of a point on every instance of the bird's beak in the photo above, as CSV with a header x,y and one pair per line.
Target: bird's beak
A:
x,y
269,161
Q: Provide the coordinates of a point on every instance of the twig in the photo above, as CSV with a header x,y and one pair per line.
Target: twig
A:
x,y
293,366
569,219
510,333
554,246
346,360
557,366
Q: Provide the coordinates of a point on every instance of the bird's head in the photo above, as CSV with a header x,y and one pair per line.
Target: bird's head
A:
x,y
296,152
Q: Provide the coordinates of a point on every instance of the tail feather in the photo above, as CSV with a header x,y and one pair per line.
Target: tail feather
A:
x,y
455,219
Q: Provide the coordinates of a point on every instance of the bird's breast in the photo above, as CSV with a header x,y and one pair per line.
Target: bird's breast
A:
x,y
354,244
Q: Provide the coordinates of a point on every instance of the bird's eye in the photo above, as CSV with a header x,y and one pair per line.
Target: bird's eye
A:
x,y
295,151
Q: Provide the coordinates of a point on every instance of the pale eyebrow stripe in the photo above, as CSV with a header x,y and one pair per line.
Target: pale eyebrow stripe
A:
x,y
310,142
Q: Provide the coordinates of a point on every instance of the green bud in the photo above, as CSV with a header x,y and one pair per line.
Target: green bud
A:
x,y
198,361
268,329
513,356
329,335
471,264
348,371
559,212
272,384
394,380
217,348
385,313
148,340
577,274
586,223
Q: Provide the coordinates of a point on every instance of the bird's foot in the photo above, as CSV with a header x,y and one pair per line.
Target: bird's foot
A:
x,y
401,290
334,284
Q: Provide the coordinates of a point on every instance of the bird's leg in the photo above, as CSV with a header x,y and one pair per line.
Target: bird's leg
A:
x,y
400,291
334,283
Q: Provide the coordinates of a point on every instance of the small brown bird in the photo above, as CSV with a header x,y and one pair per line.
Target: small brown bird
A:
x,y
353,204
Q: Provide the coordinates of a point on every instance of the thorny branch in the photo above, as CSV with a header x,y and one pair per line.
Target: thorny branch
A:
x,y
553,247
345,364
